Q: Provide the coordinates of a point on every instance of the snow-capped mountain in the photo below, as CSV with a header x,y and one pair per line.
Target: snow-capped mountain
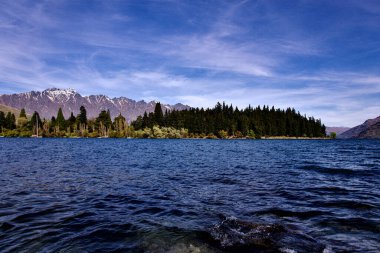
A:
x,y
48,101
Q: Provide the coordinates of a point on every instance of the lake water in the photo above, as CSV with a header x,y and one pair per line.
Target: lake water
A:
x,y
126,195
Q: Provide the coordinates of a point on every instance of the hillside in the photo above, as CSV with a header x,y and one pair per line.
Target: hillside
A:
x,y
373,132
6,109
369,129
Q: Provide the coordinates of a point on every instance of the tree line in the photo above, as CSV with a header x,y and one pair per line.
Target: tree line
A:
x,y
225,120
79,126
222,121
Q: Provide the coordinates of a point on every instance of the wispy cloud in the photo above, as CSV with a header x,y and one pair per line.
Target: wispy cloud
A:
x,y
245,52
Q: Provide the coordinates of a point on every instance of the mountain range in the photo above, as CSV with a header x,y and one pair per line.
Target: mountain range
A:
x,y
369,129
48,102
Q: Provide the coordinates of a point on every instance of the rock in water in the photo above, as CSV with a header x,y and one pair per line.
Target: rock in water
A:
x,y
240,236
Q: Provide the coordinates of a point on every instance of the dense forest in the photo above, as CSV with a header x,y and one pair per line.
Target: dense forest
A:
x,y
222,121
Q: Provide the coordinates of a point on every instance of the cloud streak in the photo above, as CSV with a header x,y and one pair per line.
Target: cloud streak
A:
x,y
243,53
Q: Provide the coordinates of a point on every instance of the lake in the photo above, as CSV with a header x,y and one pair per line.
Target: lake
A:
x,y
145,195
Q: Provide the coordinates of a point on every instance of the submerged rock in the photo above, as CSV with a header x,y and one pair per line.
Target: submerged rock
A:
x,y
240,236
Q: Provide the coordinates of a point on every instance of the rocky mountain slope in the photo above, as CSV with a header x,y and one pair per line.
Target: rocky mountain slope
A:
x,y
372,132
369,129
48,101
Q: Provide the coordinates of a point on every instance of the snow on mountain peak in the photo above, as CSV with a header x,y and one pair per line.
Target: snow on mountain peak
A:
x,y
54,93
60,91
48,101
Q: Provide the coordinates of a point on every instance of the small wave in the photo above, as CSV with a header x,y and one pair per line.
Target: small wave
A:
x,y
149,210
329,189
287,213
348,204
337,171
352,224
78,216
161,197
241,167
117,198
4,226
224,180
21,193
30,216
179,213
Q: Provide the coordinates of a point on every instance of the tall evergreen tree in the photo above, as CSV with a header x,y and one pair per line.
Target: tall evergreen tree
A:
x,y
105,119
82,116
145,121
2,120
71,121
10,121
158,115
53,121
34,119
120,123
22,113
60,120
72,118
103,123
22,119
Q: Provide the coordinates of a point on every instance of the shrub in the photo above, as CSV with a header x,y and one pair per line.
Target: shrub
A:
x,y
222,134
251,134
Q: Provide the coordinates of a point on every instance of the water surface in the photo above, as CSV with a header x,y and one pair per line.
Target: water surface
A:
x,y
119,195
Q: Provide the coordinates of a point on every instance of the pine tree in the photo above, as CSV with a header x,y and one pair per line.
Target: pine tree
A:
x,y
10,121
34,119
145,121
82,116
103,123
22,113
60,121
2,120
120,124
158,115
71,122
72,118
53,121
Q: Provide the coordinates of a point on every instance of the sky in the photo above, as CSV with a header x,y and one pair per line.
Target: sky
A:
x,y
320,57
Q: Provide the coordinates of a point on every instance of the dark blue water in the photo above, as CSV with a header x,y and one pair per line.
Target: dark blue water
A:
x,y
109,195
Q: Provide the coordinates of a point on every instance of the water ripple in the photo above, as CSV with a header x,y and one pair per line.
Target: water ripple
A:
x,y
108,195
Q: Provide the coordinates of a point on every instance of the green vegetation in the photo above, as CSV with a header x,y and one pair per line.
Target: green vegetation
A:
x,y
222,121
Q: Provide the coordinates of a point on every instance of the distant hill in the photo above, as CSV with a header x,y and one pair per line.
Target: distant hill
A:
x,y
369,129
49,101
6,109
337,130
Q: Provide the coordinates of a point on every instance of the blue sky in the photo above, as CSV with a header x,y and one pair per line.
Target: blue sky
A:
x,y
321,57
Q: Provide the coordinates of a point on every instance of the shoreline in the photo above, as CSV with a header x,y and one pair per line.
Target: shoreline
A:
x,y
187,138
